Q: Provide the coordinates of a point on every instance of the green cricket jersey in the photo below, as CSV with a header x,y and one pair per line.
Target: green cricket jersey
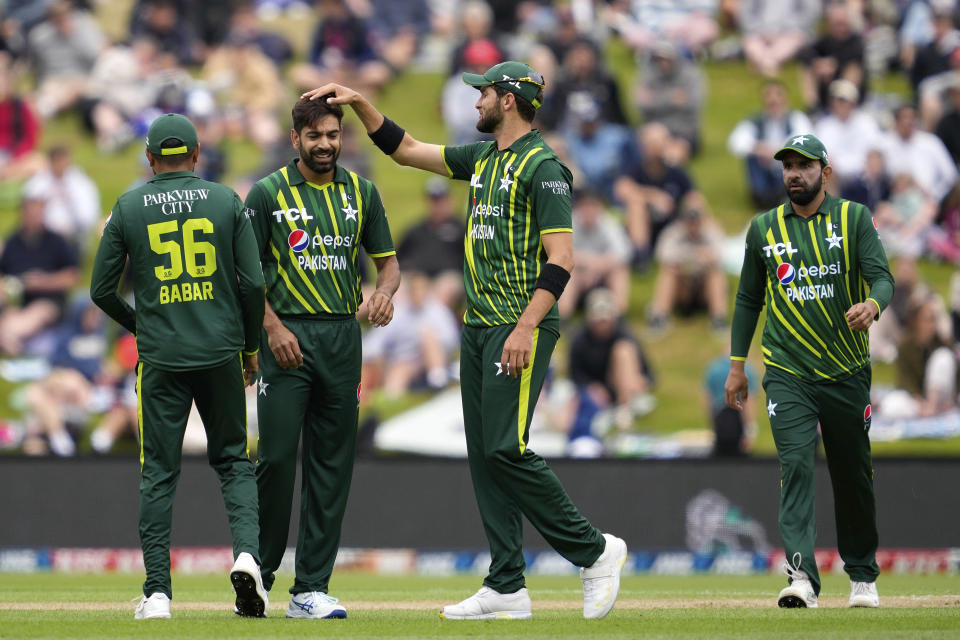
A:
x,y
197,283
809,272
310,237
516,196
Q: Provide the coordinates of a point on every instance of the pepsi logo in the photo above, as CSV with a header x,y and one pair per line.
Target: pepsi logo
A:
x,y
867,413
298,240
786,273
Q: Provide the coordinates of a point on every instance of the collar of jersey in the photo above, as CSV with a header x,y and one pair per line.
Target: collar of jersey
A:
x,y
828,202
166,175
522,141
295,177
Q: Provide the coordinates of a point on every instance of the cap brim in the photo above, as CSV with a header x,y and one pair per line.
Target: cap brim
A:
x,y
779,154
475,80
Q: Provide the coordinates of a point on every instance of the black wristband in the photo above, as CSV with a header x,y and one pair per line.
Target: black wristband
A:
x,y
553,278
388,137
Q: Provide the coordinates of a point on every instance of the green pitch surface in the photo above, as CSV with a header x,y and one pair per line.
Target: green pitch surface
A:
x,y
97,606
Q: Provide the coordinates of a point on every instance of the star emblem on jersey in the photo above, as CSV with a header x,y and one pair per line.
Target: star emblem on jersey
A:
x,y
502,368
771,408
834,241
349,212
799,140
262,387
505,183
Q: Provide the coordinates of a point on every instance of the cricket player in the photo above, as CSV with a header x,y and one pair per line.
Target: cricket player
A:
x,y
518,257
817,263
310,218
198,290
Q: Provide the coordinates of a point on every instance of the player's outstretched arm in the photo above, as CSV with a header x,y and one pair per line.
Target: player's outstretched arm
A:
x,y
409,152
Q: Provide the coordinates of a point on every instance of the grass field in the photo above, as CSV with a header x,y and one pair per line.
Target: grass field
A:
x,y
97,606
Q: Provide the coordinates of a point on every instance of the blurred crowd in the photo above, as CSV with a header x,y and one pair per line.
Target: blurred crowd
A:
x,y
639,214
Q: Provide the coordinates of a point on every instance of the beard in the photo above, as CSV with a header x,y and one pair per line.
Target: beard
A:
x,y
489,122
805,196
317,163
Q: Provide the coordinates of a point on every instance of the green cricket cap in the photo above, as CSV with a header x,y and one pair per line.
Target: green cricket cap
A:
x,y
515,77
806,145
167,126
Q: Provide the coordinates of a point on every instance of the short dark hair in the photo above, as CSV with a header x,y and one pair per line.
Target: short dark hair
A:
x,y
307,112
526,110
174,160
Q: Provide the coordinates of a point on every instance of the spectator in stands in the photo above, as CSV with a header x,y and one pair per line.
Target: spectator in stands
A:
x,y
245,27
72,199
19,130
61,402
671,92
475,24
733,429
689,25
944,242
872,186
582,72
248,90
609,368
756,138
926,365
434,246
918,153
459,99
417,350
601,255
63,49
595,150
935,57
341,51
17,19
907,219
169,25
774,32
691,277
121,86
396,28
887,332
848,131
948,127
39,268
838,54
650,190
121,417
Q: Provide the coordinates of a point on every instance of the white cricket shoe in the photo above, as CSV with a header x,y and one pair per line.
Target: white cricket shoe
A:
x,y
315,604
487,604
799,593
248,585
864,594
156,606
601,581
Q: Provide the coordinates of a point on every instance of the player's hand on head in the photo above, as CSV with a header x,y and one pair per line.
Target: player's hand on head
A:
x,y
284,346
341,94
380,309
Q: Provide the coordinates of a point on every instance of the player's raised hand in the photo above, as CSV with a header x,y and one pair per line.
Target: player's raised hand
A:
x,y
860,316
380,309
334,93
736,388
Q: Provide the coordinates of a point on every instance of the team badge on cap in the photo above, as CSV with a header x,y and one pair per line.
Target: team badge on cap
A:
x,y
298,240
786,273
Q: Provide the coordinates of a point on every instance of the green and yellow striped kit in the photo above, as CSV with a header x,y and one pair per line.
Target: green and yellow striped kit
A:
x,y
516,196
809,272
310,237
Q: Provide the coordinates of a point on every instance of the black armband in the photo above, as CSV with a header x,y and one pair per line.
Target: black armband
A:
x,y
553,278
388,137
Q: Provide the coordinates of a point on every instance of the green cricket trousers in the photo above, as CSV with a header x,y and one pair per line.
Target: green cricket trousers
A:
x,y
842,409
508,478
164,399
321,399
